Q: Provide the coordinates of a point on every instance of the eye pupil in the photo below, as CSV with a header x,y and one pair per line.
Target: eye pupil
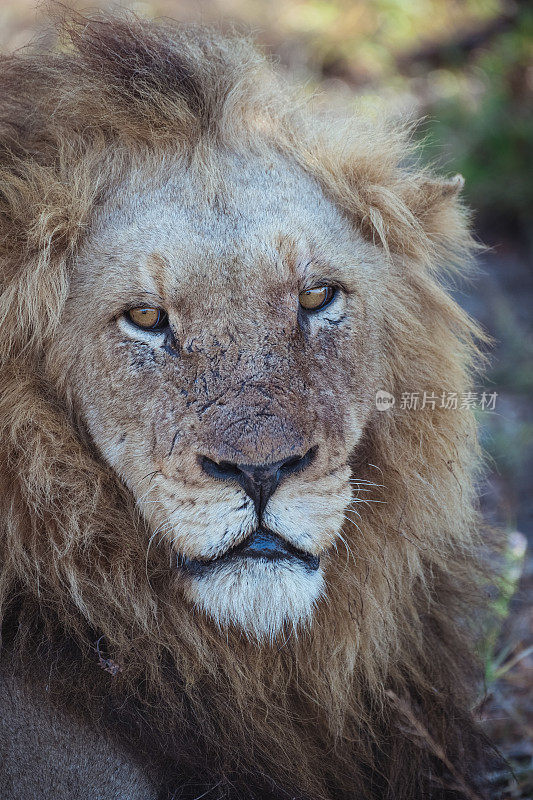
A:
x,y
148,319
317,298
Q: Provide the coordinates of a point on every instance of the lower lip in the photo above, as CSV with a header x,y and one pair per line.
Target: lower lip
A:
x,y
262,546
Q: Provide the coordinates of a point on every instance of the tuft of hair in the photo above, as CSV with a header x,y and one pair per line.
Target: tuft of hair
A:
x,y
230,597
313,715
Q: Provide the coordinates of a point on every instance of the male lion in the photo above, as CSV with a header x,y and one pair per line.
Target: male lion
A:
x,y
225,572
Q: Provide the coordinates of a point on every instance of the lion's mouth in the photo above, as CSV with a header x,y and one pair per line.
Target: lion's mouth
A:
x,y
261,544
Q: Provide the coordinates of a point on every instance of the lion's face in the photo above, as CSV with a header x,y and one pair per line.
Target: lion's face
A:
x,y
232,420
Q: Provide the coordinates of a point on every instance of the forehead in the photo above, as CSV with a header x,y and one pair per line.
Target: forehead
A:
x,y
239,219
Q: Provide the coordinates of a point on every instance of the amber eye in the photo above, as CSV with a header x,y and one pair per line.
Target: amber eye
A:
x,y
149,319
314,299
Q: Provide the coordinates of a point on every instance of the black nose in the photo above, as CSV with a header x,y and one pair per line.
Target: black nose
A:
x,y
258,481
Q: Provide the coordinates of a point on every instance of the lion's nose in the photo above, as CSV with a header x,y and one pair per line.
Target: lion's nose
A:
x,y
258,481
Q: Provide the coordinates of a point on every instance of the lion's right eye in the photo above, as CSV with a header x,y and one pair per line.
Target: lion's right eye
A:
x,y
148,319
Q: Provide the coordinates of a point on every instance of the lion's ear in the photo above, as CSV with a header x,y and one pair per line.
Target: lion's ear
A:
x,y
439,215
445,188
454,185
424,194
432,192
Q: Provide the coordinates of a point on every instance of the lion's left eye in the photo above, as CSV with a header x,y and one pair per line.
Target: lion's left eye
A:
x,y
317,298
148,319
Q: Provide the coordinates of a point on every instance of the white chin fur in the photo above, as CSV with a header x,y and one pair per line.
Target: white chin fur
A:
x,y
260,597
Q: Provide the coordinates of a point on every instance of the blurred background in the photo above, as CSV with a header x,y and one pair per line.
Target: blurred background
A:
x,y
465,69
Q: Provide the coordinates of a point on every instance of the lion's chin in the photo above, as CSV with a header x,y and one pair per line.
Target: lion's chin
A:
x,y
260,597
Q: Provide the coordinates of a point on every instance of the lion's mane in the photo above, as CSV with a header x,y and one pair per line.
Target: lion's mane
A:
x,y
329,714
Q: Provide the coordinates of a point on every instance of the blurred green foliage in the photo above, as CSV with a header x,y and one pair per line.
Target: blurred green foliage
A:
x,y
495,659
489,137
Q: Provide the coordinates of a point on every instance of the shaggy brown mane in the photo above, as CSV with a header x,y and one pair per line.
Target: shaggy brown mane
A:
x,y
400,618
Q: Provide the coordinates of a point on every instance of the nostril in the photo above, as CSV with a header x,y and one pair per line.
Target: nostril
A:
x,y
291,463
222,470
296,464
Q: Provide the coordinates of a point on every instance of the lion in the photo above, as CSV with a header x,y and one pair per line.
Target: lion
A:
x,y
227,572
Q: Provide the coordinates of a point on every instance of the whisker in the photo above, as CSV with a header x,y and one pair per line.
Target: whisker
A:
x,y
150,475
147,492
375,467
353,523
364,482
349,553
352,511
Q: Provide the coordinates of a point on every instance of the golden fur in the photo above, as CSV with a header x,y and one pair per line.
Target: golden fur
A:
x,y
317,715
